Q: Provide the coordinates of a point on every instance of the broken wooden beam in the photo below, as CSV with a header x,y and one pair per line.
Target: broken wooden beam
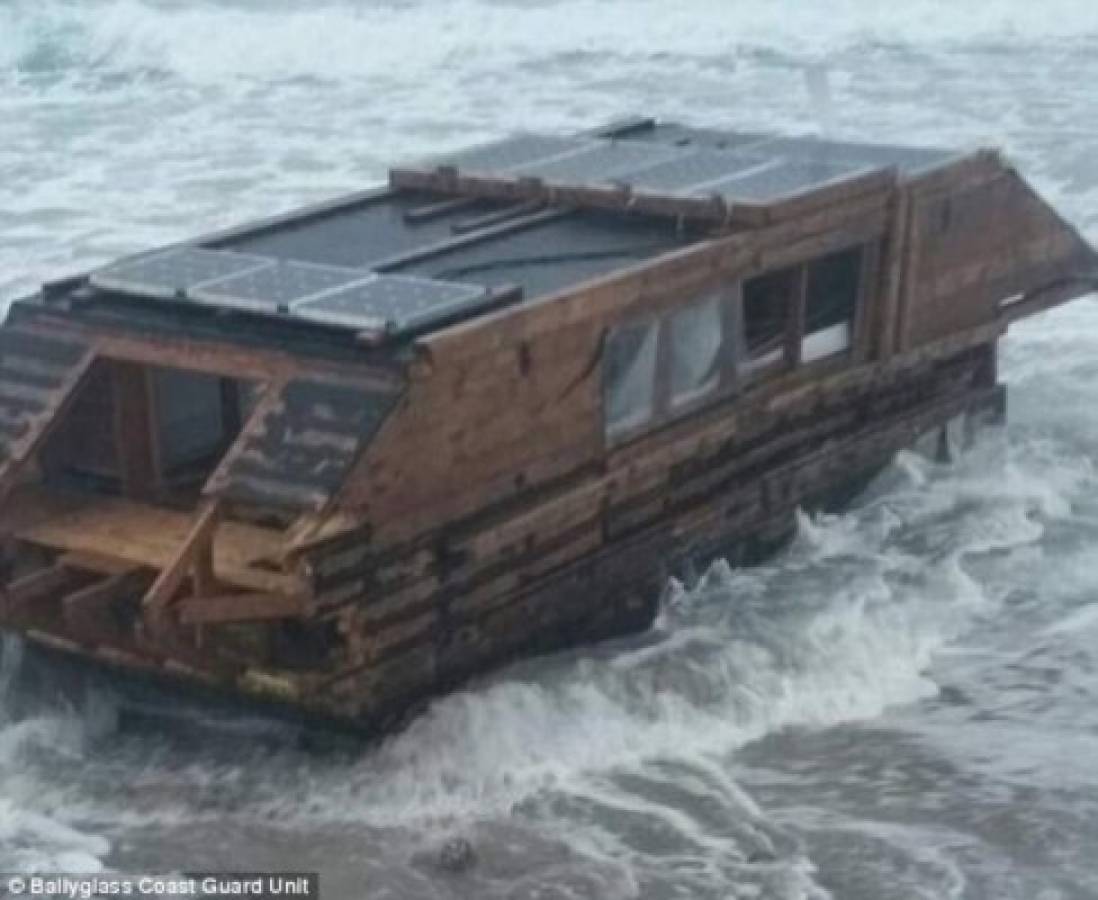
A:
x,y
171,578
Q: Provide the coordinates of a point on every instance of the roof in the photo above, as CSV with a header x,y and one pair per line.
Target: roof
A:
x,y
679,161
458,235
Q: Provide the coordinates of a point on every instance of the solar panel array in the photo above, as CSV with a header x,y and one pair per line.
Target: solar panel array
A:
x,y
808,149
279,286
393,303
742,168
356,299
745,168
782,179
173,273
696,170
602,161
505,155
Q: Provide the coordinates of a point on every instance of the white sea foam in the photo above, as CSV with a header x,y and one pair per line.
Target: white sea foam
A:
x,y
34,838
126,123
210,43
845,625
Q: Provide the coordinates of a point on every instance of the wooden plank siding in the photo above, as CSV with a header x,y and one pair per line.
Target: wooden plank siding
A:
x,y
975,243
591,562
508,528
513,400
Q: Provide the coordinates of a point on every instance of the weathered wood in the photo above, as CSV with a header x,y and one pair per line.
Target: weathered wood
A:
x,y
25,430
795,319
871,290
694,435
203,578
966,169
222,609
856,232
95,562
180,566
87,612
211,357
302,438
977,242
131,533
478,586
39,585
135,430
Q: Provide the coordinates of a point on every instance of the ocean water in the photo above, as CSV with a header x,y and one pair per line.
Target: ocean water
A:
x,y
903,704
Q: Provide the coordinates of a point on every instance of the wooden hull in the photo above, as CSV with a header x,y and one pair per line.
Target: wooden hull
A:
x,y
738,502
47,679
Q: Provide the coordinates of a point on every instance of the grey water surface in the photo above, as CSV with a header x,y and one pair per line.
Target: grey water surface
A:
x,y
904,704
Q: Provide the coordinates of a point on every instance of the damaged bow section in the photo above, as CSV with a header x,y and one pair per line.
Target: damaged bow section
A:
x,y
343,459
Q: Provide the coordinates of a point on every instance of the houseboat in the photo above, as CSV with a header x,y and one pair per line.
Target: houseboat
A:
x,y
338,461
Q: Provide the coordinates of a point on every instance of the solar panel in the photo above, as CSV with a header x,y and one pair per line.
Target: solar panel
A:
x,y
277,287
170,274
393,303
598,163
808,149
693,170
506,154
783,179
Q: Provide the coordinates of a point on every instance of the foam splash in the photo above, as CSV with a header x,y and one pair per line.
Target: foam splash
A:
x,y
33,836
205,43
172,109
843,626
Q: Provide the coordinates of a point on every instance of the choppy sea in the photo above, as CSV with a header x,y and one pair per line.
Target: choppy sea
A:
x,y
901,705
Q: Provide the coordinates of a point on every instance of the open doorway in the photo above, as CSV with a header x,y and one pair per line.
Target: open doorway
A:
x,y
147,433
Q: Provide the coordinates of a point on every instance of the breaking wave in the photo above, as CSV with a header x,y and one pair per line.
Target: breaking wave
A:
x,y
620,751
840,627
209,43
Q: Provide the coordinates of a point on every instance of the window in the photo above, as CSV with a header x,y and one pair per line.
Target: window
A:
x,y
767,302
629,375
831,303
660,369
696,341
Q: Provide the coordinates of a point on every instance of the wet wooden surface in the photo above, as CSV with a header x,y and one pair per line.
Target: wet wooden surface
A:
x,y
116,529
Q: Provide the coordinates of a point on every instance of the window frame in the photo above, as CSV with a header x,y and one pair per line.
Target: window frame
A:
x,y
863,249
673,407
734,377
664,409
619,433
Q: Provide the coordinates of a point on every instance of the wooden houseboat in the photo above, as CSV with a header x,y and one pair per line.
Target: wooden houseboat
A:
x,y
343,459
